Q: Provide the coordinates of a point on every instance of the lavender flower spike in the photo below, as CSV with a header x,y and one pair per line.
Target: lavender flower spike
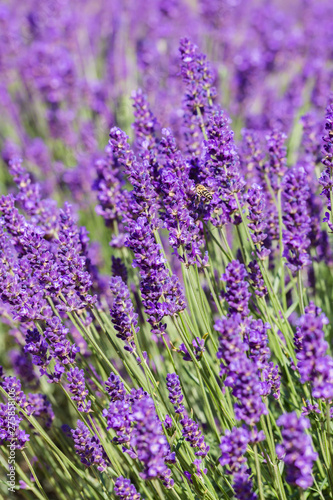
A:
x,y
296,449
124,319
125,490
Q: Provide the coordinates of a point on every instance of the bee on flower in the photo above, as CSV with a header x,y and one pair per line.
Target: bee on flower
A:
x,y
202,193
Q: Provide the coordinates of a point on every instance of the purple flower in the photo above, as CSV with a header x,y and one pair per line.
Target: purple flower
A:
x,y
178,193
309,408
175,392
314,364
256,279
190,429
220,172
237,294
198,349
296,219
194,436
118,419
77,388
233,447
241,372
109,183
88,447
326,178
156,283
168,422
257,340
148,440
296,450
15,436
124,319
125,490
198,77
115,388
41,408
37,346
257,219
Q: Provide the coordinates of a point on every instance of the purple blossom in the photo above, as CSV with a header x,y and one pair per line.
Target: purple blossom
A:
x,y
77,388
233,447
125,490
175,393
41,408
198,349
193,435
314,364
198,77
20,437
178,192
256,279
296,449
220,171
168,424
118,419
326,180
148,440
124,319
257,216
237,294
309,408
296,220
109,183
190,429
240,371
156,283
115,388
88,447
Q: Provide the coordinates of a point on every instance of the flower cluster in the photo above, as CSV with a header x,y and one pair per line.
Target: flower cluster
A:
x,y
296,449
88,447
233,447
190,429
314,365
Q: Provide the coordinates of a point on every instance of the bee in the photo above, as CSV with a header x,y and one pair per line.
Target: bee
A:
x,y
202,193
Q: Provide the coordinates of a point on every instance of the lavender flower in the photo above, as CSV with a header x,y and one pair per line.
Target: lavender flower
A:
x,y
236,294
314,364
124,318
241,373
256,279
175,392
15,436
296,219
198,77
149,441
118,419
233,447
125,490
88,447
156,283
178,192
296,449
115,388
326,177
193,435
77,387
220,171
256,217
190,429
198,349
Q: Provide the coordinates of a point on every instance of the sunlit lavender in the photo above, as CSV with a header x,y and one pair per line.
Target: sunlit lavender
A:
x,y
166,267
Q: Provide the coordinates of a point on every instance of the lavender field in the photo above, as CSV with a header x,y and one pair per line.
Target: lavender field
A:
x,y
166,249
